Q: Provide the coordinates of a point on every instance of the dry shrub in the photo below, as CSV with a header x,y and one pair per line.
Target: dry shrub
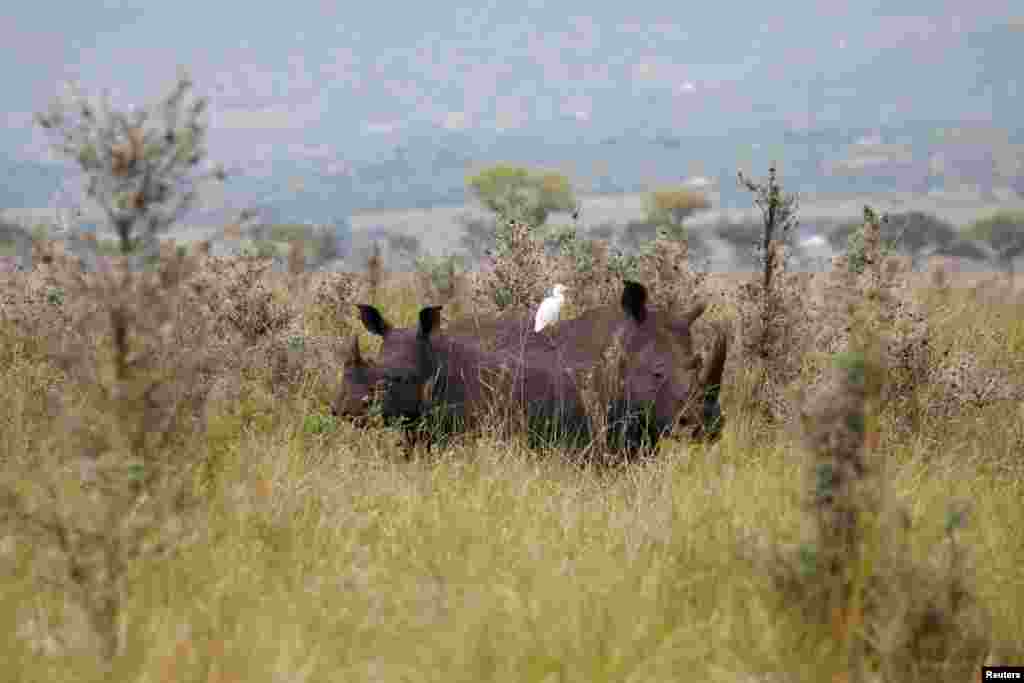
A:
x,y
665,269
518,277
111,482
771,316
332,296
773,333
785,334
528,261
885,614
136,364
443,281
592,272
239,295
890,310
289,330
926,382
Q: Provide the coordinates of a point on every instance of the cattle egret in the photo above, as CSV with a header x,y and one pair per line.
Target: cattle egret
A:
x,y
549,309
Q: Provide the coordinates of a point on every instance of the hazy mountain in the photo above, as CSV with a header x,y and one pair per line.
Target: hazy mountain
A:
x,y
430,166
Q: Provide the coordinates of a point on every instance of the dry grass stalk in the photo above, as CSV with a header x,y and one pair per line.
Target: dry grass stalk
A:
x,y
374,275
599,386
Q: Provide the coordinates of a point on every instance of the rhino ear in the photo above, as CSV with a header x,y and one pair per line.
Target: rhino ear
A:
x,y
694,312
430,320
373,321
634,300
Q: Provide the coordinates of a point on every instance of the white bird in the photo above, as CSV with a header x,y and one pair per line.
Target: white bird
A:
x,y
549,308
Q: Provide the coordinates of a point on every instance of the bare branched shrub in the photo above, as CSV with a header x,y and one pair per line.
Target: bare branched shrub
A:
x,y
875,282
771,309
374,275
112,483
239,295
517,278
528,261
332,293
665,267
592,269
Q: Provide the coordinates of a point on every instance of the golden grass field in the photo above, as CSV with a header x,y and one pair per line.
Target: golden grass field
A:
x,y
322,555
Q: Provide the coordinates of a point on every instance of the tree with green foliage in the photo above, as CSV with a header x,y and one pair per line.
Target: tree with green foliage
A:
x,y
1003,231
516,192
668,209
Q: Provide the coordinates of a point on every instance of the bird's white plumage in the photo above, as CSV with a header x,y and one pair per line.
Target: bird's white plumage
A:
x,y
549,308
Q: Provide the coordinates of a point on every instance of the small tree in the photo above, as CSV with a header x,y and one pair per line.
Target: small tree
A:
x,y
105,491
1003,231
772,307
778,213
669,208
517,278
517,193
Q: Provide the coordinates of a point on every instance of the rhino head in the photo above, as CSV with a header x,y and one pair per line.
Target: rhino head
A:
x,y
408,362
361,381
664,383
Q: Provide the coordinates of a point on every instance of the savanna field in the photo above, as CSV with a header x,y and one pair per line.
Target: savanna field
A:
x,y
180,502
301,547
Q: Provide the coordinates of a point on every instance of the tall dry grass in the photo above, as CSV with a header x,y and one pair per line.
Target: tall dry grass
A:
x,y
316,552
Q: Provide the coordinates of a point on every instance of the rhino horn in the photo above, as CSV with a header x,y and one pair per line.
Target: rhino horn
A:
x,y
373,321
634,300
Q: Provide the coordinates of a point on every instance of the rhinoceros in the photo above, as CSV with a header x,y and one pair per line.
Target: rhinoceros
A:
x,y
662,383
425,371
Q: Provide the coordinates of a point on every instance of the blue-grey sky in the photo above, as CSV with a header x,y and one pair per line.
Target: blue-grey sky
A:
x,y
332,81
